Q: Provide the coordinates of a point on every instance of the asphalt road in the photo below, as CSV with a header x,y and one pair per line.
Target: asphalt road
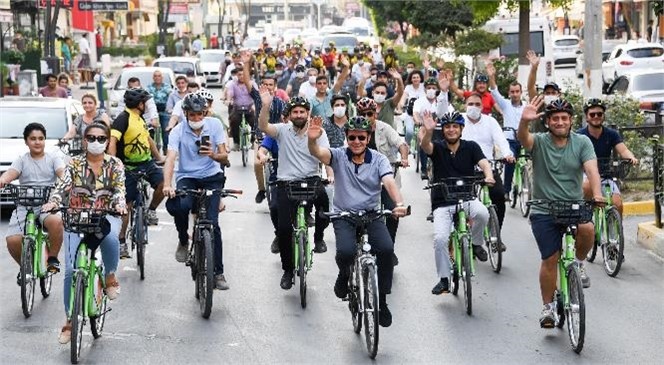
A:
x,y
158,321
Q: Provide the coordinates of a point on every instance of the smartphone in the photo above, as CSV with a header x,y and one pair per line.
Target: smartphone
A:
x,y
205,141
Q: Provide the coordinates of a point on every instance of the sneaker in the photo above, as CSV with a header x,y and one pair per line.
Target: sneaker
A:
x,y
152,218
220,282
274,248
480,253
507,198
384,316
260,196
395,259
181,253
585,280
443,286
53,265
124,251
65,334
424,176
287,280
341,286
502,247
320,246
547,319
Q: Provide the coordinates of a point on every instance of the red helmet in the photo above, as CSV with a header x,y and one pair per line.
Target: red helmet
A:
x,y
366,104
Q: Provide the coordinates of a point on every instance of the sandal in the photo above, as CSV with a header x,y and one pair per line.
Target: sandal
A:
x,y
65,334
112,289
53,265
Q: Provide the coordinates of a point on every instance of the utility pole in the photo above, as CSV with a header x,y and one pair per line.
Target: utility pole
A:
x,y
592,49
524,42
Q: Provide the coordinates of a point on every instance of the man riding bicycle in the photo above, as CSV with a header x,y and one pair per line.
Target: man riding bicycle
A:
x,y
200,147
560,157
360,173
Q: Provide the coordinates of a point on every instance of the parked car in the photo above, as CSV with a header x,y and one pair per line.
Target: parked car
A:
x,y
16,112
116,93
289,35
646,86
341,40
187,66
329,29
252,43
631,57
564,49
607,47
211,60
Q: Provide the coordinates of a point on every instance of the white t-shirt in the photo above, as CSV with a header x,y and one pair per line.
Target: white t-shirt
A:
x,y
423,104
307,90
411,92
487,133
84,45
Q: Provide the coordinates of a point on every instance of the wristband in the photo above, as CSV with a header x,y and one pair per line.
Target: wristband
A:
x,y
399,204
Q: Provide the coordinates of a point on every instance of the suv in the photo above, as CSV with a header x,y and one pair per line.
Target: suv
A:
x,y
187,66
631,57
341,40
144,74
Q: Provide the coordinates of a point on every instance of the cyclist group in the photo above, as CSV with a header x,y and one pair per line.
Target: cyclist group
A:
x,y
358,152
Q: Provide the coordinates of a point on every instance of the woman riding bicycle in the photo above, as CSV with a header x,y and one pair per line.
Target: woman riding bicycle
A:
x,y
94,180
92,115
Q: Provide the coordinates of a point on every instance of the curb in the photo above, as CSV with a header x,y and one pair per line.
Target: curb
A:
x,y
639,208
651,238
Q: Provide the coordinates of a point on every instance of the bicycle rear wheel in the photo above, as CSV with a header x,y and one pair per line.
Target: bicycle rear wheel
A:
x,y
77,318
101,302
302,267
354,297
371,309
27,276
455,278
466,275
46,279
205,270
514,193
575,312
493,242
525,192
614,246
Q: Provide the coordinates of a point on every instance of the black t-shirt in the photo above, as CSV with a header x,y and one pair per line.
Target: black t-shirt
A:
x,y
372,141
447,164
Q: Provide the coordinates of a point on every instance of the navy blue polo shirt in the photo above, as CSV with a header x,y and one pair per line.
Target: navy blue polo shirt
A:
x,y
606,142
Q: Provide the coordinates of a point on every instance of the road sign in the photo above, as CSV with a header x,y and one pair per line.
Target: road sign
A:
x,y
103,5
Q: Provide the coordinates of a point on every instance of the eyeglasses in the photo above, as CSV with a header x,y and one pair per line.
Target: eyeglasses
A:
x,y
360,138
101,139
596,114
367,114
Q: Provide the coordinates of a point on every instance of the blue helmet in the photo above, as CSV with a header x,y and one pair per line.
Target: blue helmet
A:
x,y
452,117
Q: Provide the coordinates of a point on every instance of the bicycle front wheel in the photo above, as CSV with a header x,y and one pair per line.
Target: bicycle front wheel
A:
x,y
77,317
354,297
100,302
466,274
575,311
46,278
525,192
371,309
205,271
141,239
614,246
27,276
514,193
494,241
302,267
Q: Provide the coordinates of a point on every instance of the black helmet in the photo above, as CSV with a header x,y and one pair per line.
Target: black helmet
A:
x,y
358,123
452,117
134,96
592,103
194,102
559,105
552,85
431,81
297,101
336,97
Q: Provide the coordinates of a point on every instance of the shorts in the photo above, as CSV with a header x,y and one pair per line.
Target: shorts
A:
x,y
548,234
155,177
614,187
17,221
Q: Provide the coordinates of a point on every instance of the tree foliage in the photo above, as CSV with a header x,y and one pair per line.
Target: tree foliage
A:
x,y
476,41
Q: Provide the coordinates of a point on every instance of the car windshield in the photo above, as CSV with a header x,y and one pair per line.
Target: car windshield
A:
x,y
342,41
649,82
646,52
510,46
181,68
211,57
145,77
359,31
567,42
14,121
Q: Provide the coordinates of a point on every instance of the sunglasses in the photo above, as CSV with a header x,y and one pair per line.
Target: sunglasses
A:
x,y
596,114
367,114
100,139
360,138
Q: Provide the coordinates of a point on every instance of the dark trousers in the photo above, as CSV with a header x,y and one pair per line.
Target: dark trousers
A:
x,y
274,212
163,122
180,207
381,245
497,194
391,222
235,119
287,213
515,146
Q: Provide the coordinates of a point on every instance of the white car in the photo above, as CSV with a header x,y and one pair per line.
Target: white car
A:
x,y
564,49
631,57
607,47
116,93
211,60
187,66
291,34
252,43
646,86
16,112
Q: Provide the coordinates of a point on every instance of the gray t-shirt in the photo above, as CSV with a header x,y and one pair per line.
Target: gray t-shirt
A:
x,y
360,184
80,125
558,171
39,172
295,161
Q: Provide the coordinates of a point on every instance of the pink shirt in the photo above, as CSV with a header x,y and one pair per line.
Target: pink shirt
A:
x,y
58,93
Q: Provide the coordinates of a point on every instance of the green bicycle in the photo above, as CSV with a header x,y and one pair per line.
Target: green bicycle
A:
x,y
245,139
569,301
88,297
492,237
462,190
35,245
608,222
522,186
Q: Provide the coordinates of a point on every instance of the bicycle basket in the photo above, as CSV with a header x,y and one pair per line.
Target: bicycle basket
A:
x,y
455,189
302,190
610,168
86,221
571,212
30,196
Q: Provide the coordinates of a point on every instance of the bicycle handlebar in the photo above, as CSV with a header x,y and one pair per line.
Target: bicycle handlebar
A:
x,y
200,192
368,216
457,181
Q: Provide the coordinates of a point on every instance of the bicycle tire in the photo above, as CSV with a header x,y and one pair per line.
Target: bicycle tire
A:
x,y
354,297
205,273
576,308
494,241
266,182
46,278
597,241
101,303
244,157
371,310
455,279
466,275
514,193
614,247
77,318
27,277
302,267
525,192
140,234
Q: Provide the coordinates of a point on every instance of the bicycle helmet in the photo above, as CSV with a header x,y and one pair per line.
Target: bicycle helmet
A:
x,y
592,103
452,117
358,123
551,85
295,102
206,94
481,78
134,96
431,81
559,105
336,97
194,102
366,104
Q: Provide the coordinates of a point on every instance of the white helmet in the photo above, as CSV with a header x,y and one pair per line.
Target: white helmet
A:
x,y
206,94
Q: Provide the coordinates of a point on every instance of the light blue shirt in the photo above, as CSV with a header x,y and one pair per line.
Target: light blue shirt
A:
x,y
322,108
511,113
183,140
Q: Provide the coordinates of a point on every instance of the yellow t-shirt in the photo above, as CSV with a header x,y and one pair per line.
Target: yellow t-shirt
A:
x,y
133,144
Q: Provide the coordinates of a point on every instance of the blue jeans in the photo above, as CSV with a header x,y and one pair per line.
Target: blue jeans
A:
x,y
163,121
180,207
110,254
515,146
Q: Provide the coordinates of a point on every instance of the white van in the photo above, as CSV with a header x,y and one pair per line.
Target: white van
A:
x,y
540,42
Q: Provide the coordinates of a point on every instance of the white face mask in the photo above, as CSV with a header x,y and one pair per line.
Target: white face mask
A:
x,y
431,93
339,111
379,98
312,80
473,112
299,74
279,72
96,148
409,70
360,62
548,99
196,125
374,77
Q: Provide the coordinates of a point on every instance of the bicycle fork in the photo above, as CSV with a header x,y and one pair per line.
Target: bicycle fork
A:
x,y
566,259
301,222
